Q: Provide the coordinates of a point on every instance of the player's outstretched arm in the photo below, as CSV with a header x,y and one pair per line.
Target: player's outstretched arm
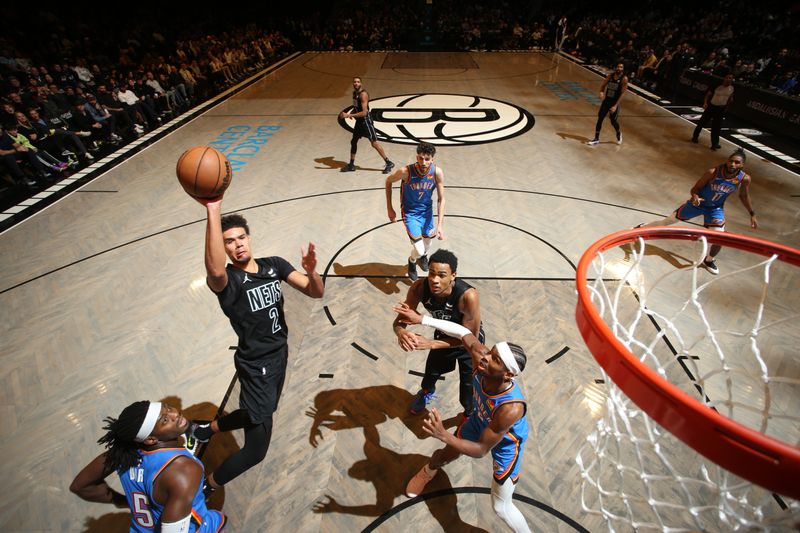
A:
x,y
502,420
398,175
744,196
309,283
439,177
707,176
90,484
407,339
215,258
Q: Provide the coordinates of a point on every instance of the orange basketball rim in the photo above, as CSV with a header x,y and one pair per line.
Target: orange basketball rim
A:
x,y
759,458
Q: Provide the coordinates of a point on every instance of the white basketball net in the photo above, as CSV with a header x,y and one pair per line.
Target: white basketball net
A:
x,y
636,474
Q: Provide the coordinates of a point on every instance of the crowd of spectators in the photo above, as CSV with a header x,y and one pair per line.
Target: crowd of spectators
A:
x,y
59,115
71,90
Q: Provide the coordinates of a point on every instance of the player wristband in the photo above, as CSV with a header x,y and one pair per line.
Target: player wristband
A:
x,y
752,213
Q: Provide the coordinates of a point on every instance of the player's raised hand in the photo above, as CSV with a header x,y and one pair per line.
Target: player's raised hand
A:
x,y
309,258
434,426
406,314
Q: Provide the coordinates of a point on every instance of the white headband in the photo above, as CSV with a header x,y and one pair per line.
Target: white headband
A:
x,y
507,357
149,423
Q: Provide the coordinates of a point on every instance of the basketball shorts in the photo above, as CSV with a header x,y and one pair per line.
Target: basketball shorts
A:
x,y
261,382
419,226
713,217
506,455
365,128
213,522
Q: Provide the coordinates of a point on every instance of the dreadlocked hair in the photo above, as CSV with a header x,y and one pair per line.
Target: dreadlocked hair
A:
x,y
519,355
120,438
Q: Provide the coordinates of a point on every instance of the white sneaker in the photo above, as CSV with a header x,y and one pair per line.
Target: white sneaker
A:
x,y
88,156
593,142
619,137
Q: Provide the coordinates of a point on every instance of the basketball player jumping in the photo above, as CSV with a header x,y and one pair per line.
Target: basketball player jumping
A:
x,y
363,127
250,294
496,425
163,482
416,204
708,199
612,91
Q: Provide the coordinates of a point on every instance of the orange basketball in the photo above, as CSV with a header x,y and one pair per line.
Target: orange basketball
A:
x,y
204,172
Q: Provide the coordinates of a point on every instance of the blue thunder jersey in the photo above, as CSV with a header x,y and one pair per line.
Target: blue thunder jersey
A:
x,y
508,452
138,482
416,194
715,192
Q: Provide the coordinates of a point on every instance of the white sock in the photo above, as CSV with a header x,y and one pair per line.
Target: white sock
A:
x,y
503,503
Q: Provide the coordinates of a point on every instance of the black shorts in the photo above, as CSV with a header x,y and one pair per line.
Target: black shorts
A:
x,y
365,128
261,382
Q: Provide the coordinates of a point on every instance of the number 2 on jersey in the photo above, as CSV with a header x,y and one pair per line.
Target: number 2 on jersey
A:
x,y
275,316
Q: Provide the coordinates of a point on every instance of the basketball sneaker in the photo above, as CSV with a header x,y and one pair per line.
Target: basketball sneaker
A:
x,y
412,271
192,440
350,167
619,137
593,142
420,402
423,263
417,483
711,266
388,168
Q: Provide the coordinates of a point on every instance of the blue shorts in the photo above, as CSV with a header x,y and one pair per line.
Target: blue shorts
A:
x,y
419,226
507,453
713,217
213,522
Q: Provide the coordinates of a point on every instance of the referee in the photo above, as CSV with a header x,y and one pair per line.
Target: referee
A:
x,y
363,128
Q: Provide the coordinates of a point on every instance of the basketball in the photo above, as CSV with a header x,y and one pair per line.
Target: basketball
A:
x,y
204,172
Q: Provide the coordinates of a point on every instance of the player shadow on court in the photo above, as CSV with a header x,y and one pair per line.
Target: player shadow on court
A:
x,y
676,260
390,284
580,138
216,451
386,469
331,163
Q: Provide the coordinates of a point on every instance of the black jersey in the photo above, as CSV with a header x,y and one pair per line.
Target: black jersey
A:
x,y
357,106
254,304
446,308
613,87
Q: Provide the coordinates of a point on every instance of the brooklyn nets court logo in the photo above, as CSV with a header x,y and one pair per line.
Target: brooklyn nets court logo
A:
x,y
444,119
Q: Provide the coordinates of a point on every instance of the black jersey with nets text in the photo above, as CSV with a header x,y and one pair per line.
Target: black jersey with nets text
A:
x,y
254,304
446,308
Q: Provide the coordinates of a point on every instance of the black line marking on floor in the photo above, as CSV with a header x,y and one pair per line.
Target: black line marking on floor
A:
x,y
564,350
328,314
306,197
326,375
362,350
94,191
693,357
422,375
599,381
470,490
232,347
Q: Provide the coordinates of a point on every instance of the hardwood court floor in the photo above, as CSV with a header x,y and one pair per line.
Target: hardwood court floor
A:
x,y
103,298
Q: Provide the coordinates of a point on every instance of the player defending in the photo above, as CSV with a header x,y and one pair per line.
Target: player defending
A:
x,y
416,204
497,424
447,298
612,91
708,199
363,127
163,482
250,294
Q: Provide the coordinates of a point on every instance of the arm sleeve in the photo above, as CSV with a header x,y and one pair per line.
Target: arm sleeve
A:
x,y
445,326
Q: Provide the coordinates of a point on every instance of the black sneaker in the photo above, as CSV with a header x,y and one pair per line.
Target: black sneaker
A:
x,y
350,167
423,263
716,147
388,168
412,271
695,140
711,266
193,441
